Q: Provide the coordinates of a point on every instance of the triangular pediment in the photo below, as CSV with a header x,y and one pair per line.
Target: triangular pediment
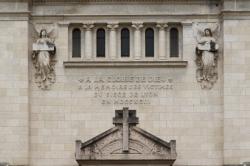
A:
x,y
141,147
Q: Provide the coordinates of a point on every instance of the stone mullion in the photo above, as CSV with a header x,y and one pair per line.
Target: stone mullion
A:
x,y
88,41
112,41
137,40
186,28
64,31
162,40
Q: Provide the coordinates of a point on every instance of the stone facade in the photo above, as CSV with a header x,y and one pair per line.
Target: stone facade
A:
x,y
14,83
39,126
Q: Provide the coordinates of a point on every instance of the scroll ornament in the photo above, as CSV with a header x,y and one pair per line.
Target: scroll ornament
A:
x,y
43,56
206,54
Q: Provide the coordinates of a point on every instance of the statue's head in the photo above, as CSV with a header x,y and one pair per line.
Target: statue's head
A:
x,y
208,32
43,33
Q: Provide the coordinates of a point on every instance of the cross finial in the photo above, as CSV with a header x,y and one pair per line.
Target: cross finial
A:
x,y
125,117
119,116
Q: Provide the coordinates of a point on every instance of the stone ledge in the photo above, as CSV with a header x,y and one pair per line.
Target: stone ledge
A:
x,y
243,164
7,164
118,64
39,2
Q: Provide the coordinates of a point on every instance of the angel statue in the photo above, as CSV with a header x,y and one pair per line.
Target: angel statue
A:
x,y
44,50
206,57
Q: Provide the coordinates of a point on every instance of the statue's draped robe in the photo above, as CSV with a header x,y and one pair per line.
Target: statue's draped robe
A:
x,y
204,46
43,59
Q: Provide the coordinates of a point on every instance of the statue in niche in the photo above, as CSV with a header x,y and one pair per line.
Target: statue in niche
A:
x,y
206,55
44,51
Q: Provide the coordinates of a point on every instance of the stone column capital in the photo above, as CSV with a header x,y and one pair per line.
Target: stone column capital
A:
x,y
88,26
137,25
112,26
162,26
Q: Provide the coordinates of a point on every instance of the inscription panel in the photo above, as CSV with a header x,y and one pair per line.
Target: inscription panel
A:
x,y
125,90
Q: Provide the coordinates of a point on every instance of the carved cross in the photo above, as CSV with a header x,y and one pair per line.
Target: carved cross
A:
x,y
125,117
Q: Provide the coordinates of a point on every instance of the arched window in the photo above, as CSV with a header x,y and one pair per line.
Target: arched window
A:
x,y
76,43
100,43
149,42
125,43
174,42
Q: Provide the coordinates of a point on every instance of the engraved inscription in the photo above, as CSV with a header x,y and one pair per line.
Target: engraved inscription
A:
x,y
125,90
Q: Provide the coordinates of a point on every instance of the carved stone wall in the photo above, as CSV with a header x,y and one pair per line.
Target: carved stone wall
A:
x,y
169,100
39,128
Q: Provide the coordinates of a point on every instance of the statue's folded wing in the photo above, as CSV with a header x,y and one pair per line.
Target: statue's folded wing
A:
x,y
51,29
52,32
215,28
198,31
35,33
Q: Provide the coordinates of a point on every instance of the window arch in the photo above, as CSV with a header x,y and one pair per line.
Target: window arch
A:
x,y
149,42
125,42
174,42
100,43
76,43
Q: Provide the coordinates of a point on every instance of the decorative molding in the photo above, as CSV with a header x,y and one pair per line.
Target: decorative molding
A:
x,y
126,143
161,26
112,26
118,64
137,25
88,26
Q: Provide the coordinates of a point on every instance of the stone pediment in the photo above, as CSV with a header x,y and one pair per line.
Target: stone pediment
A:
x,y
125,143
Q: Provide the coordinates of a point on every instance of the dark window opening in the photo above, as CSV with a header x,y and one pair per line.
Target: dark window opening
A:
x,y
125,43
100,43
149,42
76,43
174,42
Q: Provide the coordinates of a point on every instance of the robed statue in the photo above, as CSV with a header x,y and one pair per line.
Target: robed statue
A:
x,y
44,51
206,56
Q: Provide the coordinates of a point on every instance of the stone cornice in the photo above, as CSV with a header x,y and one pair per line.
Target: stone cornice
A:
x,y
44,2
233,15
235,11
15,1
120,64
225,14
14,16
184,15
16,13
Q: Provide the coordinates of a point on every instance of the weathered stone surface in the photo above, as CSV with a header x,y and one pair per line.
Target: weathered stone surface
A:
x,y
39,127
4,164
